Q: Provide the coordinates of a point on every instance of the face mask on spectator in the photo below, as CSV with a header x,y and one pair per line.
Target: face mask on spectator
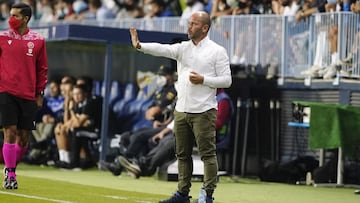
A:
x,y
62,12
147,9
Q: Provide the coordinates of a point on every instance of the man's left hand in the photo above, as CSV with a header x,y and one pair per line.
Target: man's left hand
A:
x,y
196,78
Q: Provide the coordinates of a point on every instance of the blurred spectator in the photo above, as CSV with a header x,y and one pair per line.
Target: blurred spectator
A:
x,y
174,6
164,97
45,11
286,7
47,117
355,7
98,11
5,9
320,69
83,116
220,8
84,148
156,8
352,57
245,7
32,4
264,6
63,9
191,7
80,8
129,9
310,7
66,86
51,112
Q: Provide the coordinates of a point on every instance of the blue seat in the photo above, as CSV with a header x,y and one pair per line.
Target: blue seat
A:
x,y
139,120
97,88
119,104
135,109
115,90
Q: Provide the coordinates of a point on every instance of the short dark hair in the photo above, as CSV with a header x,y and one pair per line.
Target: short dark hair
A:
x,y
82,87
25,9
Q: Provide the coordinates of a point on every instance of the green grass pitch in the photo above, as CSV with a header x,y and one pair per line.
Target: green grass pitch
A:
x,y
47,184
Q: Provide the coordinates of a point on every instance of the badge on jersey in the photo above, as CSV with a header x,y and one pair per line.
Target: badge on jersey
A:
x,y
30,46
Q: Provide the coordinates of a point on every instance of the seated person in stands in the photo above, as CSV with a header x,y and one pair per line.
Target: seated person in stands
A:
x,y
83,115
47,117
160,111
66,86
136,143
164,151
138,140
164,97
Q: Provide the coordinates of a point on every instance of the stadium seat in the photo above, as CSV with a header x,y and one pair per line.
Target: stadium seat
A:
x,y
97,88
119,106
115,91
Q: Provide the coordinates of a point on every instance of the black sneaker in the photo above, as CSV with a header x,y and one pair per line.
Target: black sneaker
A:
x,y
63,165
10,183
115,169
177,198
132,167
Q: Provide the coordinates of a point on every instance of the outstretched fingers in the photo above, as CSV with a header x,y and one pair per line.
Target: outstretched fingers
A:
x,y
134,37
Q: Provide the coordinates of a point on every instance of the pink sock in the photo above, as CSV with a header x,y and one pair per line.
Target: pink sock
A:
x,y
9,154
20,151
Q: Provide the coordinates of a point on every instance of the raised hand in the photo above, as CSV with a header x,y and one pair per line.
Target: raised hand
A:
x,y
134,38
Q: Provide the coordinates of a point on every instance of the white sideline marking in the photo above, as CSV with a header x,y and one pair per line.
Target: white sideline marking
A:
x,y
116,197
34,197
123,198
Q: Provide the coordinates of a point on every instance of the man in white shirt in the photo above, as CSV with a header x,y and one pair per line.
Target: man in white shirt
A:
x,y
202,67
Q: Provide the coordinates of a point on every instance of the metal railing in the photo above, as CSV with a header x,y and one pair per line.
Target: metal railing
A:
x,y
269,39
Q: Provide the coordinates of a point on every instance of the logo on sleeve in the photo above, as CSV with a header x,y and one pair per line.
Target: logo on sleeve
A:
x,y
9,42
30,46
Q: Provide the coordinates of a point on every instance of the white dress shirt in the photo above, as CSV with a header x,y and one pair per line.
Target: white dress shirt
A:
x,y
207,59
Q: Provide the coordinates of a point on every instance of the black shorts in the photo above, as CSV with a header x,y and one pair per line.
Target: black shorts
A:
x,y
17,111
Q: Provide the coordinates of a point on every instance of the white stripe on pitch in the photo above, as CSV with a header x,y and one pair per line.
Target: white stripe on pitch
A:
x,y
34,197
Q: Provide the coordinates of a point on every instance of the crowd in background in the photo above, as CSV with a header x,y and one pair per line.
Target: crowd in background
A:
x,y
70,10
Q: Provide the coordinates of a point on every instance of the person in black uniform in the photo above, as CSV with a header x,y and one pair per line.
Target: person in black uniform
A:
x,y
159,109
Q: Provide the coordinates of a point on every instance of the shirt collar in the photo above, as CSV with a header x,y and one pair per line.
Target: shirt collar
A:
x,y
83,103
26,31
203,41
